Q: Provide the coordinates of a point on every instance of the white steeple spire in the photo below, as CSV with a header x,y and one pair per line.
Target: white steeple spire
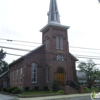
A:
x,y
53,14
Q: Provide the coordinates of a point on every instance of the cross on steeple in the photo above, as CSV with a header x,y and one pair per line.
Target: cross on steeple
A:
x,y
53,14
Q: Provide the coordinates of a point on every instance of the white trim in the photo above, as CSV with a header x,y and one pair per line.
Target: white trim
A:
x,y
54,24
34,70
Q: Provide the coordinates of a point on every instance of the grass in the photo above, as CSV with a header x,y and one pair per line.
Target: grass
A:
x,y
37,92
90,90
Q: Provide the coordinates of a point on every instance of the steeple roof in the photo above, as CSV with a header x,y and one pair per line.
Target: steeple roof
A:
x,y
53,14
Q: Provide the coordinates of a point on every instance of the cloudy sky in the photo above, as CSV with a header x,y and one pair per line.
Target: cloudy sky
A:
x,y
22,20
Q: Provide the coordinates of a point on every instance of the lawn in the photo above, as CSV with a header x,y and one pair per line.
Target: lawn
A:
x,y
37,92
91,90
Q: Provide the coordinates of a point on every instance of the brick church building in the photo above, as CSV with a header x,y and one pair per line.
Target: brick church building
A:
x,y
52,60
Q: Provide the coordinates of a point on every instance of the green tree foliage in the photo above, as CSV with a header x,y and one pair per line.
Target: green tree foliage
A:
x,y
54,85
4,67
90,70
3,64
2,55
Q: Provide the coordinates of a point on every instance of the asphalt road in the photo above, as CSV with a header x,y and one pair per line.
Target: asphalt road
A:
x,y
73,98
80,98
6,97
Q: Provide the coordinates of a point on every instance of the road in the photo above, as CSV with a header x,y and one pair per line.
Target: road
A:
x,y
6,97
80,98
73,98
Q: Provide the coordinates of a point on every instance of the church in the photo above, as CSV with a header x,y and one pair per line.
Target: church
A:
x,y
52,60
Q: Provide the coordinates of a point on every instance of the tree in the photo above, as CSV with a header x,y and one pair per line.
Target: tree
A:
x,y
3,64
2,55
54,85
4,67
91,72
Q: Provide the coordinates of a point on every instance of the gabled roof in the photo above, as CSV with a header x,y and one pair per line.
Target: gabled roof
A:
x,y
73,57
22,57
4,73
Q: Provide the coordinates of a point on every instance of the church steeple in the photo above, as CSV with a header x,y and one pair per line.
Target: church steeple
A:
x,y
53,14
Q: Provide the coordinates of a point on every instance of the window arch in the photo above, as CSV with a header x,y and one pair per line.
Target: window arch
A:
x,y
34,73
47,75
46,42
59,42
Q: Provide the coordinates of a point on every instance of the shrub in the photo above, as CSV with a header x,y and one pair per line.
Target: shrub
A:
x,y
60,91
90,90
26,88
36,88
45,88
4,89
54,85
32,89
16,91
11,89
0,89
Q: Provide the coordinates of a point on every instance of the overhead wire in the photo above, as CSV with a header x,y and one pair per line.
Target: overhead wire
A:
x,y
27,50
10,40
43,58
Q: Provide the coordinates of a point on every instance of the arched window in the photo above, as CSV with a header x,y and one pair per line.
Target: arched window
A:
x,y
59,42
21,76
46,44
47,75
34,73
17,76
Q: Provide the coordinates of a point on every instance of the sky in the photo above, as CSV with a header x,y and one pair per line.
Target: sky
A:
x,y
23,19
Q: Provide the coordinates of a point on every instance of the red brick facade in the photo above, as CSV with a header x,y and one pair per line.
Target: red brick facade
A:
x,y
45,58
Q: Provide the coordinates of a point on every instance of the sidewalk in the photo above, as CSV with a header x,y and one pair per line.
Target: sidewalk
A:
x,y
56,97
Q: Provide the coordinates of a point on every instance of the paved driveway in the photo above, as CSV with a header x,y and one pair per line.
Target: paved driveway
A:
x,y
6,97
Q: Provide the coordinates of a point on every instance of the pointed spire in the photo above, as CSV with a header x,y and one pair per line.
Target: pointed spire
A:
x,y
53,14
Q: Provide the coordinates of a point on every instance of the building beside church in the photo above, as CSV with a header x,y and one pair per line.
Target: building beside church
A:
x,y
52,60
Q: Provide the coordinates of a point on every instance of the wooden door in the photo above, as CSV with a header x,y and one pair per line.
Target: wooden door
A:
x,y
60,77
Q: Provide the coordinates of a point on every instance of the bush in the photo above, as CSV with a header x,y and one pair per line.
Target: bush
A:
x,y
16,91
4,89
90,90
45,88
0,89
60,91
54,85
11,89
36,88
26,88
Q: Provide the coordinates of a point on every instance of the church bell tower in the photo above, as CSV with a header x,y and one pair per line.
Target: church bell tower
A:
x,y
55,40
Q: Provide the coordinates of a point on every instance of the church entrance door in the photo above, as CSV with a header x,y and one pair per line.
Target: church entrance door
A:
x,y
60,77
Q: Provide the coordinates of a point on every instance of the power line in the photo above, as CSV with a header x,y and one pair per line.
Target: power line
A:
x,y
84,51
19,44
13,54
19,41
14,48
41,43
45,58
41,52
84,48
